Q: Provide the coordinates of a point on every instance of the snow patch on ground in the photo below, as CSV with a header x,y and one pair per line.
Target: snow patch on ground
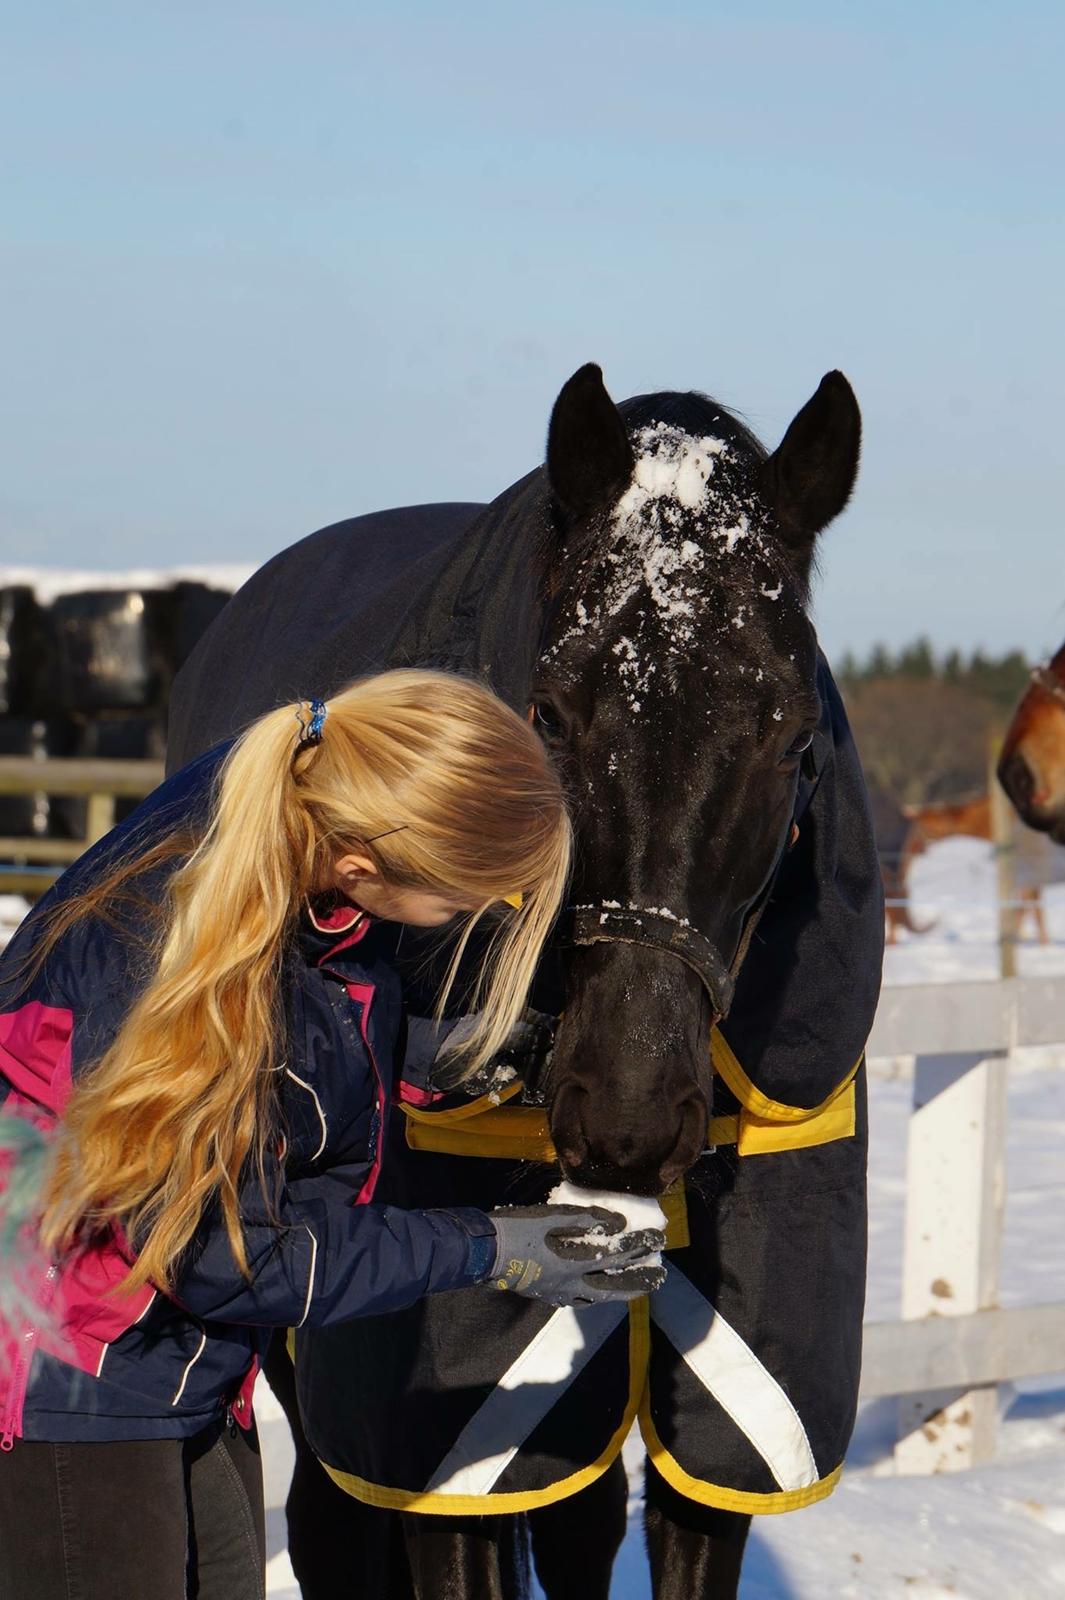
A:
x,y
953,888
12,910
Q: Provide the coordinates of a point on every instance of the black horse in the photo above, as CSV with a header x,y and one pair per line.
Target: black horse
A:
x,y
644,595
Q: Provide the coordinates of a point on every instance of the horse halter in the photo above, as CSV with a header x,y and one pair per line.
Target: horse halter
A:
x,y
1048,681
610,923
658,928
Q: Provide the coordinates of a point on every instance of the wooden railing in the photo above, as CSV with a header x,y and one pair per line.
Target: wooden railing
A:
x,y
954,1344
30,865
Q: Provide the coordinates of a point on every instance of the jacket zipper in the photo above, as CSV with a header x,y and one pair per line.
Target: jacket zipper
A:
x,y
378,1118
11,1426
377,1121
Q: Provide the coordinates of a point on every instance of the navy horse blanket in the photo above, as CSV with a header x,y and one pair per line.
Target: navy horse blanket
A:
x,y
743,1370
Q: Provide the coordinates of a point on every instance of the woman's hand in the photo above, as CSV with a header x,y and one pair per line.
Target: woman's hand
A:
x,y
523,1048
574,1256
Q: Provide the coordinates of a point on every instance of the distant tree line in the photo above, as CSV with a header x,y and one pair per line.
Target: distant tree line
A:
x,y
925,722
1000,679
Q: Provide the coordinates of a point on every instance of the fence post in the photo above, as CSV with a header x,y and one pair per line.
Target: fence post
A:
x,y
100,817
1002,839
955,1191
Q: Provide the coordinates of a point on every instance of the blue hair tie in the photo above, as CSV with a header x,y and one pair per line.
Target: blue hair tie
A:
x,y
311,729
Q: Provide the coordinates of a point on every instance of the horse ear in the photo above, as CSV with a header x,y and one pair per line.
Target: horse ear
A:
x,y
808,479
589,457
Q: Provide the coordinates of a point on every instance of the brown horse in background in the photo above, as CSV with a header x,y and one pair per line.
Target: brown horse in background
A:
x,y
1032,766
942,819
897,842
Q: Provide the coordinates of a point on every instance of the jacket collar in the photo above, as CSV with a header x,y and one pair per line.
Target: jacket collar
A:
x,y
329,924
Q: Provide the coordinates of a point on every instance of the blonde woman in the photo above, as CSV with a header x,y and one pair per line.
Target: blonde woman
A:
x,y
201,1019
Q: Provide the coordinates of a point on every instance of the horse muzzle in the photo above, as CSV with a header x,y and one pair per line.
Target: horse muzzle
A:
x,y
1030,794
643,1152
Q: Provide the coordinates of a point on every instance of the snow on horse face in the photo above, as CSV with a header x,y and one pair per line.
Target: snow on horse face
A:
x,y
1032,766
678,688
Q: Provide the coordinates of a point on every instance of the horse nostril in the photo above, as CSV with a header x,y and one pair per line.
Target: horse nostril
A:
x,y
691,1141
1017,779
567,1129
571,1156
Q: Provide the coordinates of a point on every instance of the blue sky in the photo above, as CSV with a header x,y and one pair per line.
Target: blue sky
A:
x,y
265,266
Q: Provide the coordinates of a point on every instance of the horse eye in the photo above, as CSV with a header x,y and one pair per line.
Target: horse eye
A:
x,y
802,742
547,719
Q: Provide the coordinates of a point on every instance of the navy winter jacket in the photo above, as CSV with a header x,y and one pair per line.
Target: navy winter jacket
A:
x,y
94,1365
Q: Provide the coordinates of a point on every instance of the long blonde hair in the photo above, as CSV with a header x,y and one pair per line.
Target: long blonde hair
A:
x,y
428,774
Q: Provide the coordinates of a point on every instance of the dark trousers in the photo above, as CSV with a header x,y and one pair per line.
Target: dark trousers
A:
x,y
168,1518
335,1543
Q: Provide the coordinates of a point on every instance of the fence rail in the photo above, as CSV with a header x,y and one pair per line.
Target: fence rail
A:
x,y
995,1014
984,1347
30,865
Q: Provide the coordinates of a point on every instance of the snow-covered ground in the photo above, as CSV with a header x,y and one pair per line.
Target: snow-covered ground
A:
x,y
48,583
953,895
994,1533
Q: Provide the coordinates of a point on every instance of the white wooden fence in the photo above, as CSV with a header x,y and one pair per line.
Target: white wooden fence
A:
x,y
954,1344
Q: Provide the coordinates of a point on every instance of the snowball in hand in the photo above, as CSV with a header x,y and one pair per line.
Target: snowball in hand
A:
x,y
639,1210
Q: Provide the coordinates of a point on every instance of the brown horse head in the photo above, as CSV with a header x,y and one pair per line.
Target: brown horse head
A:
x,y
1032,766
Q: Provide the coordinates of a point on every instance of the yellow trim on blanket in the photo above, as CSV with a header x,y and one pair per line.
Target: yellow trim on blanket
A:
x,y
483,1505
675,1205
460,1113
638,1408
720,1496
507,1133
521,1133
751,1098
758,1136
515,1133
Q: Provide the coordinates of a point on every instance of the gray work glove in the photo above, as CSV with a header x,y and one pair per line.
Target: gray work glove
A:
x,y
560,1254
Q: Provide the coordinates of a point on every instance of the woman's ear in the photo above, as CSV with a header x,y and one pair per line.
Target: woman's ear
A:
x,y
354,868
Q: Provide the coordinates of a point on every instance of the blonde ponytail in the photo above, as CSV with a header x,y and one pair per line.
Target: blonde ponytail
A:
x,y
446,790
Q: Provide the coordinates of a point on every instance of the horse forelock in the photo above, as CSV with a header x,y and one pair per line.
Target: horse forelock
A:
x,y
693,413
685,554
